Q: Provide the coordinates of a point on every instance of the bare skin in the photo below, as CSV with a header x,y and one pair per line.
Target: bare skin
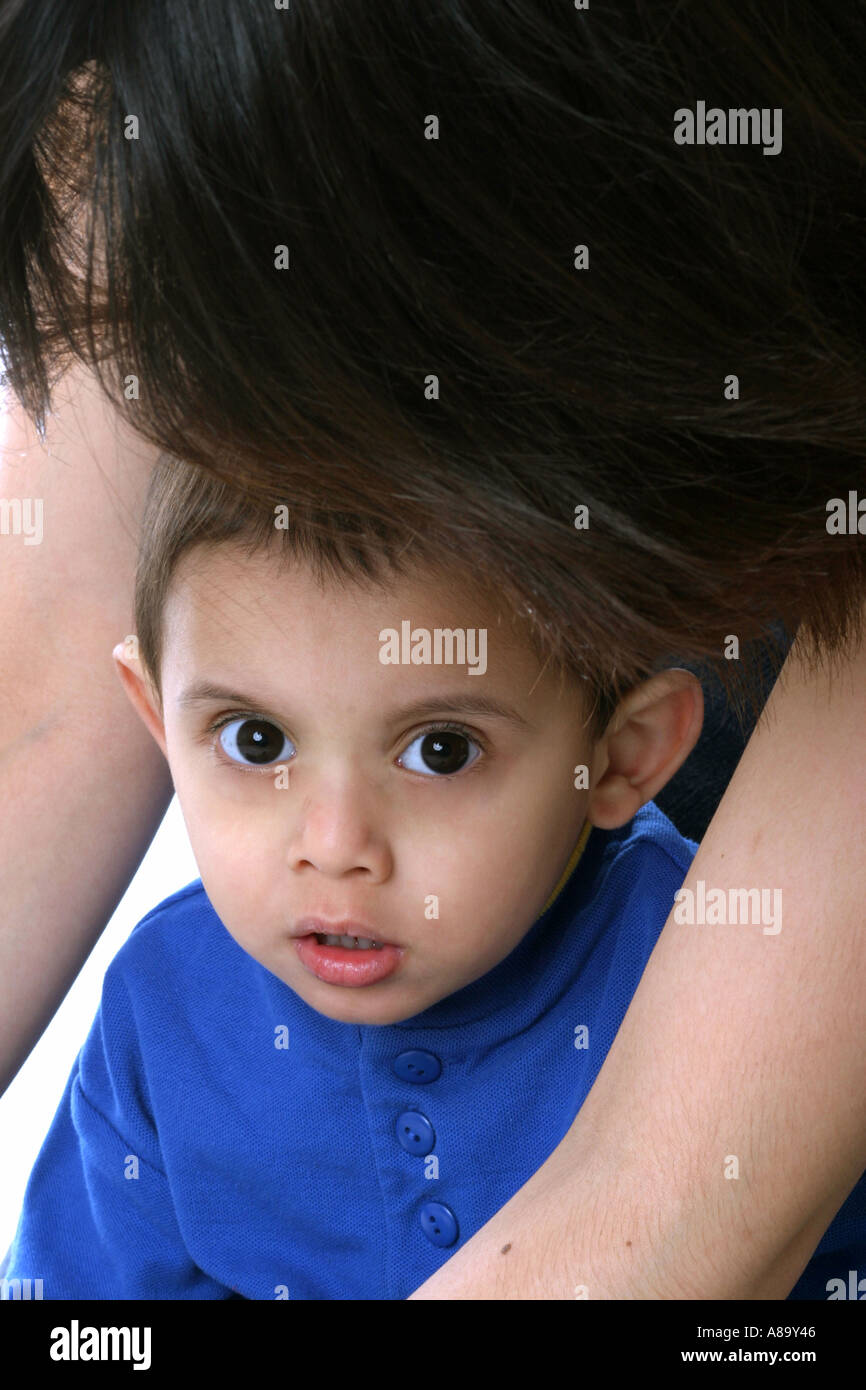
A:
x,y
735,1043
83,785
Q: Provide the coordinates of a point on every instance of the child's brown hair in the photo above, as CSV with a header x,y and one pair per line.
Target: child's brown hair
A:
x,y
188,507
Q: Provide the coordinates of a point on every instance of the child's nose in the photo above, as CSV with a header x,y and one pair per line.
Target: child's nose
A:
x,y
339,834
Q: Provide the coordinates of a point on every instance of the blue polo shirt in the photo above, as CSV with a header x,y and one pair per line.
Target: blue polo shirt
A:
x,y
217,1137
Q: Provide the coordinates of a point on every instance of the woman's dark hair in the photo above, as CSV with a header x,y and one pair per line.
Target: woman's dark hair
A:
x,y
412,260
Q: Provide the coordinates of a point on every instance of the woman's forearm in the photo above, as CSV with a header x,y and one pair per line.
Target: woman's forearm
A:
x,y
738,1044
82,784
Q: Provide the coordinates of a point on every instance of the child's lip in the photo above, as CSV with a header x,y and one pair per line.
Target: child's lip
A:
x,y
307,926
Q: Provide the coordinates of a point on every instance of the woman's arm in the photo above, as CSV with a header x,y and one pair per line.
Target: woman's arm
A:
x,y
83,785
736,1042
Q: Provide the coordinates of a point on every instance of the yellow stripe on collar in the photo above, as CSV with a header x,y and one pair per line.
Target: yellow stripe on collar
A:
x,y
571,865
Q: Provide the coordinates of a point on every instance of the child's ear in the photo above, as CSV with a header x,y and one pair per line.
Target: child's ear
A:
x,y
649,737
142,696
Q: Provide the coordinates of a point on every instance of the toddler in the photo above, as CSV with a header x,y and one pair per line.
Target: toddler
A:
x,y
429,887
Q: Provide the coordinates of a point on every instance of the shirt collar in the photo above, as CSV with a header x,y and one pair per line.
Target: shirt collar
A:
x,y
571,865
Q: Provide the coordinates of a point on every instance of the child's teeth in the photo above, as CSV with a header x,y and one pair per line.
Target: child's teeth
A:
x,y
358,943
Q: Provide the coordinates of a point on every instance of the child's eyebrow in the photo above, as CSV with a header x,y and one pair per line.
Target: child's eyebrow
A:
x,y
460,703
204,691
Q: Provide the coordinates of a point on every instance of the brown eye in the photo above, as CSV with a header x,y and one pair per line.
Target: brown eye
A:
x,y
254,742
442,752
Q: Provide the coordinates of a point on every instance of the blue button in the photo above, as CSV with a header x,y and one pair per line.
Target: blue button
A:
x,y
438,1223
415,1132
417,1066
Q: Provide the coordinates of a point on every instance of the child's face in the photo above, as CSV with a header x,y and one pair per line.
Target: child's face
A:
x,y
360,831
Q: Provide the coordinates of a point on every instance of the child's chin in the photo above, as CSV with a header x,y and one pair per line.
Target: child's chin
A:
x,y
350,1008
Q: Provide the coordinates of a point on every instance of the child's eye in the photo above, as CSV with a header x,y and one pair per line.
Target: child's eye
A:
x,y
254,741
440,751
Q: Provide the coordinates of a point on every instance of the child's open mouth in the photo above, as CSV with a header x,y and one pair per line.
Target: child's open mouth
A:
x,y
351,943
347,960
